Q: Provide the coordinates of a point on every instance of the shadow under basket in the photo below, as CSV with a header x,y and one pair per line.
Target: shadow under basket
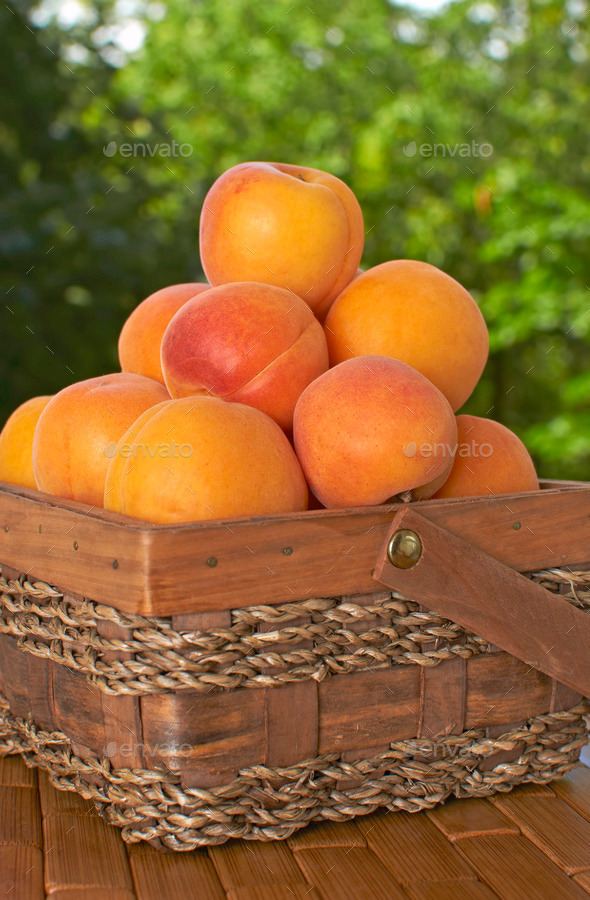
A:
x,y
245,678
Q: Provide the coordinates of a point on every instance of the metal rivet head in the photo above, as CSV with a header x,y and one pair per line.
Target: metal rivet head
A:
x,y
40,529
6,528
287,551
115,564
517,526
404,549
212,562
75,545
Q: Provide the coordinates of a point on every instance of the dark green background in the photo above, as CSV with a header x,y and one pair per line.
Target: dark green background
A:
x,y
85,236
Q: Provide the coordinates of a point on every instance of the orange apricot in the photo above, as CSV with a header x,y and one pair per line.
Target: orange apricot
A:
x,y
16,442
80,426
247,342
490,459
290,226
204,458
142,333
412,311
371,428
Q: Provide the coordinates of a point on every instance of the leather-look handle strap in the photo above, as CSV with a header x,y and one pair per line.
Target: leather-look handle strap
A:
x,y
466,585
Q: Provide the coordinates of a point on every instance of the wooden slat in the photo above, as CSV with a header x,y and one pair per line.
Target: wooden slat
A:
x,y
40,690
563,697
77,709
327,834
575,790
413,848
517,870
21,872
240,865
470,817
274,892
486,597
167,569
583,880
91,894
207,737
365,708
14,676
20,816
157,874
450,890
442,698
336,872
503,689
291,723
123,738
556,828
14,772
81,852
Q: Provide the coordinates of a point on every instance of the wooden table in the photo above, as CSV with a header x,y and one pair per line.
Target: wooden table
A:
x,y
531,843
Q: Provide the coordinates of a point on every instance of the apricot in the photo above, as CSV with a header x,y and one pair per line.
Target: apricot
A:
x,y
247,342
119,454
16,442
79,428
490,459
290,226
413,312
371,428
141,336
204,458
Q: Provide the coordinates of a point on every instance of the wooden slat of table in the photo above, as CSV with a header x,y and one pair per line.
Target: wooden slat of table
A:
x,y
21,871
83,852
554,827
450,890
413,848
467,818
337,872
517,870
157,875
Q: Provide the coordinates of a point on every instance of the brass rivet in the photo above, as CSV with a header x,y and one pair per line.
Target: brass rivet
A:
x,y
115,564
516,526
75,545
6,528
212,562
40,529
287,551
404,549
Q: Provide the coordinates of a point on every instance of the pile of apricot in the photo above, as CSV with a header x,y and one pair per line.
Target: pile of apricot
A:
x,y
290,370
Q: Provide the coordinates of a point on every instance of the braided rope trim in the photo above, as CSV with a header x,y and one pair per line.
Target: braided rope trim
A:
x,y
266,804
63,628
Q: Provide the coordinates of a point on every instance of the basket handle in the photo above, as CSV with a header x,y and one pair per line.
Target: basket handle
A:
x,y
434,567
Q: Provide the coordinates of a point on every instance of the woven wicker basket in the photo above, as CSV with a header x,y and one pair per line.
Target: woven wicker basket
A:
x,y
244,678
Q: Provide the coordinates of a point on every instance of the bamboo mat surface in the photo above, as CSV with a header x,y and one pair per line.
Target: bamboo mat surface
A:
x,y
531,843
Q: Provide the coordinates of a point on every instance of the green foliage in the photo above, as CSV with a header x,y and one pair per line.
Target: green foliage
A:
x,y
84,236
